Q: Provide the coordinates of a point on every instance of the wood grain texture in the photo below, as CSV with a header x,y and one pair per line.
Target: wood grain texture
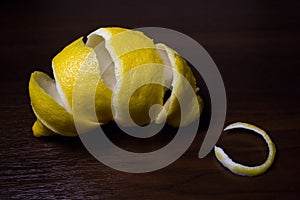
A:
x,y
256,47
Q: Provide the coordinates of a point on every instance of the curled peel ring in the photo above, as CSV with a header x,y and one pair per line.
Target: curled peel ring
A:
x,y
244,170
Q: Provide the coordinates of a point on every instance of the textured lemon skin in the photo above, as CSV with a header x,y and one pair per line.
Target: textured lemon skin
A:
x,y
66,65
72,62
50,113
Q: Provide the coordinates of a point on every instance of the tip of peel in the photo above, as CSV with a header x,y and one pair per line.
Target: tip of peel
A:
x,y
39,130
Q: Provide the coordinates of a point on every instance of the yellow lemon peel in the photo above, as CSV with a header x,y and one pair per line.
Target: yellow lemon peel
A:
x,y
108,56
47,106
244,170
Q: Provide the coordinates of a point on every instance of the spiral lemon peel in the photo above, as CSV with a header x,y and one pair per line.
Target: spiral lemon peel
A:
x,y
106,58
244,170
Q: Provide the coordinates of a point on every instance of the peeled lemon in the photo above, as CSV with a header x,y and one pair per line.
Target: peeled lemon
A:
x,y
118,61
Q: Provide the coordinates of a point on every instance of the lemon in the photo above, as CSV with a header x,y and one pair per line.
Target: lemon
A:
x,y
244,170
131,78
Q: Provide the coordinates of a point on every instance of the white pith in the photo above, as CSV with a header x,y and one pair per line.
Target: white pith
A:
x,y
97,41
62,96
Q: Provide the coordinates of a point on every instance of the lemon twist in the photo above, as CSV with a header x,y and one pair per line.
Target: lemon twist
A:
x,y
108,55
244,170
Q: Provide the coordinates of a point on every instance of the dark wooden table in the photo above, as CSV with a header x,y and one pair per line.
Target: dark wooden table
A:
x,y
256,47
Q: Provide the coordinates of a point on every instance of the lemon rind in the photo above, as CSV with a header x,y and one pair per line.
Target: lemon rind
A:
x,y
244,170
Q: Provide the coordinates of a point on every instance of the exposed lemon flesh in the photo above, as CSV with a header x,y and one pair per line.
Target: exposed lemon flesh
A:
x,y
244,170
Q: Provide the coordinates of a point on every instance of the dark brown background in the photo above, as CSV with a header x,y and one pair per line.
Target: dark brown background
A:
x,y
256,47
